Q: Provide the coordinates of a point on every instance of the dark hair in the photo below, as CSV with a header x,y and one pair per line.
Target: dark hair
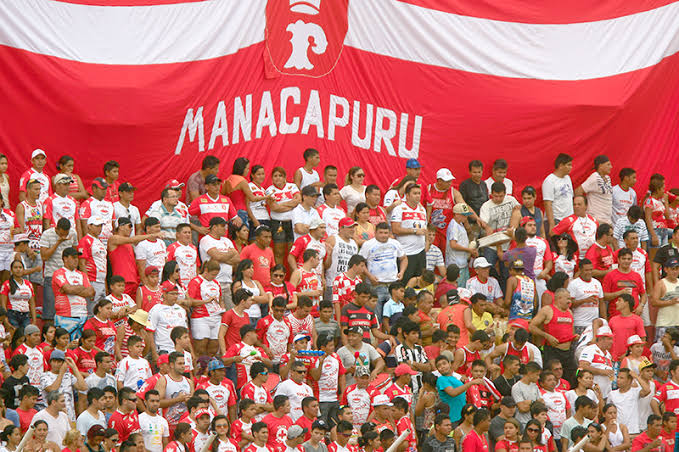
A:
x,y
168,269
557,281
100,304
537,407
115,279
585,261
28,391
257,368
344,426
257,426
562,159
308,254
309,152
603,230
63,161
18,361
529,190
328,188
653,418
242,266
99,357
210,161
629,299
536,423
356,259
365,438
304,302
452,328
475,164
520,234
182,429
583,402
64,224
94,394
498,187
412,187
239,166
479,335
480,416
13,286
371,188
241,295
124,393
500,164
7,432
521,336
111,164
279,401
261,230
382,225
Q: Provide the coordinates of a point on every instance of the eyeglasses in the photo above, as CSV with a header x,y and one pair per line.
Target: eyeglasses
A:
x,y
221,425
303,371
360,175
264,373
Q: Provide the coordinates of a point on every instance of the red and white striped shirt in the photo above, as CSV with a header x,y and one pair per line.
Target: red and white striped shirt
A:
x,y
343,289
57,207
44,179
94,253
92,207
202,289
69,305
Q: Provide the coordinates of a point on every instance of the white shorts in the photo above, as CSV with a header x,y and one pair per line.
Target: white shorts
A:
x,y
6,259
205,327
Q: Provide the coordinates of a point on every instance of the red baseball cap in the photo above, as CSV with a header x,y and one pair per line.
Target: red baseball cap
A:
x,y
519,323
150,270
164,359
525,220
174,183
347,222
202,412
403,369
168,286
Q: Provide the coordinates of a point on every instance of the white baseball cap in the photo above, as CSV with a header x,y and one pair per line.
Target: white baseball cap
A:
x,y
604,331
381,399
445,175
97,221
38,152
481,262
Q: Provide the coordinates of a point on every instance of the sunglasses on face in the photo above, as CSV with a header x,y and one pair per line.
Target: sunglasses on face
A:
x,y
221,426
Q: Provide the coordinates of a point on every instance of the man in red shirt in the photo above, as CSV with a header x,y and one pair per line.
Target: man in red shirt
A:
x,y
475,441
601,253
625,325
373,197
261,254
309,415
71,289
92,260
278,423
651,440
125,419
212,204
111,175
668,394
624,280
344,285
669,428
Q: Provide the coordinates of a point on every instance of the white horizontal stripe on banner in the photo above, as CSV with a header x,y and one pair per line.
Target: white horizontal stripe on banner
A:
x,y
198,31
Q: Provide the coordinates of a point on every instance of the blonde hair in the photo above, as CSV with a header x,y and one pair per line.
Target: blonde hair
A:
x,y
72,438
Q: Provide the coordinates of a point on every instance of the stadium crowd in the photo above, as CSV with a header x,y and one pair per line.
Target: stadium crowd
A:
x,y
320,314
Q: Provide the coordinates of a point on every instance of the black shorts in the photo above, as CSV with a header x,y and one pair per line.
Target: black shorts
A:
x,y
281,231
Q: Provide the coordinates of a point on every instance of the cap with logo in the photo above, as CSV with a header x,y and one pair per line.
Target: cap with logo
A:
x,y
525,220
31,329
96,430
164,359
58,355
96,221
362,371
99,182
517,264
301,336
169,286
212,179
445,175
202,412
646,363
347,222
18,238
62,178
320,424
672,262
413,164
462,209
174,183
215,364
122,221
354,329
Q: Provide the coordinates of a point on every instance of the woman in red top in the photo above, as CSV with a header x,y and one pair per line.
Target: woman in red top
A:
x,y
102,326
279,287
84,354
60,341
150,295
237,188
533,433
241,237
48,331
511,441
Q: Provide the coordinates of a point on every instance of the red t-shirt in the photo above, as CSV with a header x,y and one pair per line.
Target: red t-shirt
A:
x,y
624,327
509,446
84,359
616,280
234,322
601,257
643,440
278,431
474,443
106,334
263,262
126,424
401,426
148,385
25,418
669,395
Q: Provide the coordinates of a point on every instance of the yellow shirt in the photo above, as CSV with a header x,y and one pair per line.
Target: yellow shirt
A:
x,y
482,322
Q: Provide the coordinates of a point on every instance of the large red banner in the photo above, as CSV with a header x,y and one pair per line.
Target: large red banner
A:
x,y
158,87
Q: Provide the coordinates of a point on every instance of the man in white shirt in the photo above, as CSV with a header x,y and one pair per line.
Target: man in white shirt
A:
x,y
458,251
409,226
624,195
597,359
305,212
55,416
498,174
330,211
626,398
124,208
93,414
385,262
295,388
587,294
154,428
597,187
217,246
163,318
557,192
497,213
150,253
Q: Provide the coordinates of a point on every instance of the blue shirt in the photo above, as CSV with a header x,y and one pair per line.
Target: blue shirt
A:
x,y
391,308
455,403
